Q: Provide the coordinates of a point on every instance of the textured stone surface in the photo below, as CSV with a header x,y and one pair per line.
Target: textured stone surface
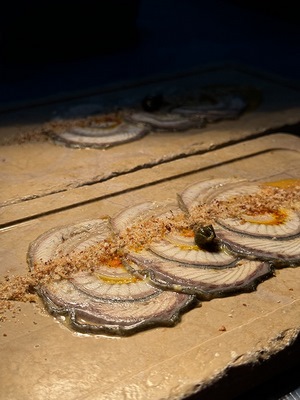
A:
x,y
42,359
33,170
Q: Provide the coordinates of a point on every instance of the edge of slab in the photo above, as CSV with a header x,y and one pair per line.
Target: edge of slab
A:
x,y
26,210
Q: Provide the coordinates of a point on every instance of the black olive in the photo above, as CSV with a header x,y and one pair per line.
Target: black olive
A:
x,y
204,235
152,103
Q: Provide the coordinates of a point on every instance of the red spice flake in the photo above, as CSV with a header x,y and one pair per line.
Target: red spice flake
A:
x,y
271,199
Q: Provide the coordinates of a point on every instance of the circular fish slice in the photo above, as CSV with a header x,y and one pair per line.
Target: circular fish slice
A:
x,y
65,240
278,224
235,189
206,283
132,215
265,223
225,107
162,120
112,283
88,314
190,253
136,214
188,111
99,131
174,246
107,300
203,192
279,251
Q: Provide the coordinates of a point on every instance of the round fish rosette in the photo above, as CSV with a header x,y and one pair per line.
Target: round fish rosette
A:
x,y
99,295
154,261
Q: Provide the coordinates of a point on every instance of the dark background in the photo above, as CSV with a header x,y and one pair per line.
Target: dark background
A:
x,y
59,47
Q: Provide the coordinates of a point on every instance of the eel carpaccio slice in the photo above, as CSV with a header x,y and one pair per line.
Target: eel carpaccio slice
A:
x,y
147,267
96,131
90,126
107,299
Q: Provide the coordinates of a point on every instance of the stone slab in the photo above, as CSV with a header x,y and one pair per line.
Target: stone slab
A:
x,y
35,169
42,359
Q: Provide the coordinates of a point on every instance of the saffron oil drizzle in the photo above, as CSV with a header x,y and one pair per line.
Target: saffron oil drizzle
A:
x,y
144,268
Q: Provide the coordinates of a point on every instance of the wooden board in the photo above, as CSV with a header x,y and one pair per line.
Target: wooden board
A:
x,y
41,359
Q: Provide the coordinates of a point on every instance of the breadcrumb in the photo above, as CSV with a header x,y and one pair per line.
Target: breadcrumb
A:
x,y
139,235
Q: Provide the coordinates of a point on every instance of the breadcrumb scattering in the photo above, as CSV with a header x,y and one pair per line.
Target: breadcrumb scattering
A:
x,y
269,199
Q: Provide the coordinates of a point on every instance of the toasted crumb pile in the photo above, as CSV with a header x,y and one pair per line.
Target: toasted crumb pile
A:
x,y
41,133
33,135
14,289
140,235
105,121
22,288
268,200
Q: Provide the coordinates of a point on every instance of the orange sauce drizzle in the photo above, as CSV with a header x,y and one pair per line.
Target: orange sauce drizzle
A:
x,y
187,232
116,262
118,280
284,183
276,217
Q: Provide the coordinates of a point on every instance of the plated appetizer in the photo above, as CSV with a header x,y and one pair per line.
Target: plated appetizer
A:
x,y
153,261
89,126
